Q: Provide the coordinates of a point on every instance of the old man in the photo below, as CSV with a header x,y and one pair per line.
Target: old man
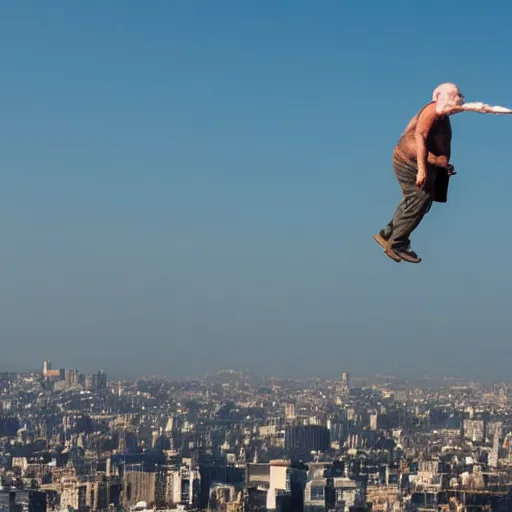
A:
x,y
423,149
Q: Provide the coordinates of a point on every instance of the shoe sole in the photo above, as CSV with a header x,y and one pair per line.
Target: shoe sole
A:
x,y
387,250
408,259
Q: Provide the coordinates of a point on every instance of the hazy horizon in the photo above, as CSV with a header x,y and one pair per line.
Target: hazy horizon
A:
x,y
188,187
411,379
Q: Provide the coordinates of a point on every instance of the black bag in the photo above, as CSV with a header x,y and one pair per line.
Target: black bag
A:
x,y
442,180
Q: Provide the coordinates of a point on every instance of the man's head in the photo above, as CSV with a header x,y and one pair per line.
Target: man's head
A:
x,y
447,96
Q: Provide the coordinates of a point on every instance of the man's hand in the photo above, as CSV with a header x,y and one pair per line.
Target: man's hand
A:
x,y
421,178
438,161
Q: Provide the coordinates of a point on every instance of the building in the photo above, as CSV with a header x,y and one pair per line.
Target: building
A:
x,y
160,485
474,430
280,484
339,493
289,412
22,501
301,440
373,420
47,365
345,381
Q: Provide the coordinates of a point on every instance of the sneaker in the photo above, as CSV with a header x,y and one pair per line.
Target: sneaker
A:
x,y
406,253
388,251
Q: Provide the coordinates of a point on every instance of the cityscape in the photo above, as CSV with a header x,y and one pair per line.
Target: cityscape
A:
x,y
236,442
239,256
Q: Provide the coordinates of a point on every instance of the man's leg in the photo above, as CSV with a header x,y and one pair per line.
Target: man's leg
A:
x,y
415,203
384,236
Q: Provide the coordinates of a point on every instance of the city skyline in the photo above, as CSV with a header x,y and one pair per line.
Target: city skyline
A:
x,y
231,443
423,381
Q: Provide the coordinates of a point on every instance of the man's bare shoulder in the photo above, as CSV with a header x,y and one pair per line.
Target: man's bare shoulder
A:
x,y
426,118
427,111
411,125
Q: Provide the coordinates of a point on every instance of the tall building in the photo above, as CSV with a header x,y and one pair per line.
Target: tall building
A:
x,y
373,420
345,382
162,485
276,486
47,366
494,453
301,440
289,411
96,381
71,377
474,430
286,486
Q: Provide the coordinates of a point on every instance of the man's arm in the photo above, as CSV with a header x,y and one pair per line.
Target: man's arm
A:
x,y
480,108
423,126
444,159
439,161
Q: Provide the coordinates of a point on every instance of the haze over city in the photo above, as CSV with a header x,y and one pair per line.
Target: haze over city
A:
x,y
189,187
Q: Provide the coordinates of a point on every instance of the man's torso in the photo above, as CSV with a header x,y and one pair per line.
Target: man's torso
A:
x,y
438,140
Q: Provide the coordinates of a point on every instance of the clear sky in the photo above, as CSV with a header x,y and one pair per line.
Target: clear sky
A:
x,y
193,186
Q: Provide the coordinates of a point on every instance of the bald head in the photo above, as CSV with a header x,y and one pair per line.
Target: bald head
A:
x,y
447,96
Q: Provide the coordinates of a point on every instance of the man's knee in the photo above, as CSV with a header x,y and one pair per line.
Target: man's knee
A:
x,y
422,196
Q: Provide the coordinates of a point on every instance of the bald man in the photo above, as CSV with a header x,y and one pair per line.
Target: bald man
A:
x,y
424,146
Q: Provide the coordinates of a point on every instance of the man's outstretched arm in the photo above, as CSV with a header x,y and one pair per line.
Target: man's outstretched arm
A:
x,y
480,108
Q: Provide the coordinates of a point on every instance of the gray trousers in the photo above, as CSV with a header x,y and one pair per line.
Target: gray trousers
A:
x,y
415,203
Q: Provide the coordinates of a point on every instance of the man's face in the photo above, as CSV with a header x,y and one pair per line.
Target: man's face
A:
x,y
450,99
457,101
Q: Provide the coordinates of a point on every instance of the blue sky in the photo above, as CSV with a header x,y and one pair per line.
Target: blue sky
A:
x,y
191,186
